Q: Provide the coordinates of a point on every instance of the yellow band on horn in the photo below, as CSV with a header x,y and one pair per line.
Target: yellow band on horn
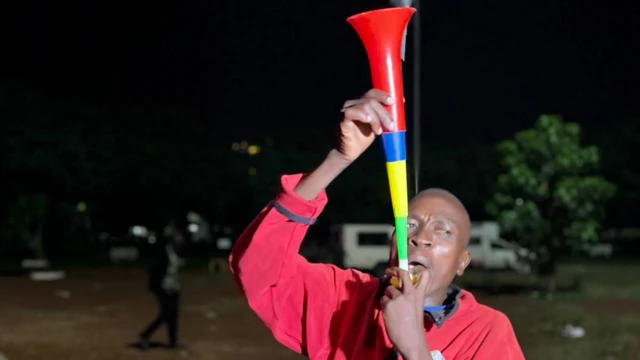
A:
x,y
397,173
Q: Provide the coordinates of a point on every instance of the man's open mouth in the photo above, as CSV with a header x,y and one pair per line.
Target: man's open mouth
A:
x,y
416,268
418,264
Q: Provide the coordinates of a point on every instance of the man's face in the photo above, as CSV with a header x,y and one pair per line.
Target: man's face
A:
x,y
438,233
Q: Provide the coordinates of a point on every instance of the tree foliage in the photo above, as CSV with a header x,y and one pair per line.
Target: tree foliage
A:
x,y
550,193
25,221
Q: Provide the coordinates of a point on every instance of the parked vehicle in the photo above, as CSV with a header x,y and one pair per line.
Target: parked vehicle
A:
x,y
365,246
600,250
490,252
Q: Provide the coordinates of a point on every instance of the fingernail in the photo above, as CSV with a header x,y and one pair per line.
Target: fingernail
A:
x,y
391,101
392,126
368,118
379,131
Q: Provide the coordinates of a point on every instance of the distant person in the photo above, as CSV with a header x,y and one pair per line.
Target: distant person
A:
x,y
325,312
165,286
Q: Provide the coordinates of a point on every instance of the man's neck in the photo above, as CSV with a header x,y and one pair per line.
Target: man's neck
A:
x,y
435,299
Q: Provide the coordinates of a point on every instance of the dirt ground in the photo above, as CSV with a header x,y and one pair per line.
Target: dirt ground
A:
x,y
96,314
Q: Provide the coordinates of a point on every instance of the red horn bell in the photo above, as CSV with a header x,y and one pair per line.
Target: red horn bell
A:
x,y
381,32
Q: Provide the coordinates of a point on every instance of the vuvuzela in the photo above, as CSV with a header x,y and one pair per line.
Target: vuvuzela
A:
x,y
382,32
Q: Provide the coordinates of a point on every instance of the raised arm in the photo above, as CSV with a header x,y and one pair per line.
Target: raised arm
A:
x,y
295,299
285,290
271,243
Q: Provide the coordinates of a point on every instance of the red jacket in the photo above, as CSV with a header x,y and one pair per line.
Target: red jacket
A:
x,y
326,312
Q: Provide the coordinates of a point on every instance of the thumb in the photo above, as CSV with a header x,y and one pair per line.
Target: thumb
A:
x,y
423,282
407,284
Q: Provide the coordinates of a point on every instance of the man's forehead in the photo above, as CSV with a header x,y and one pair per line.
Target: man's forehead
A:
x,y
448,203
436,194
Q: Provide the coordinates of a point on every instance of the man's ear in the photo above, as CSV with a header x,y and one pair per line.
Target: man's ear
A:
x,y
465,259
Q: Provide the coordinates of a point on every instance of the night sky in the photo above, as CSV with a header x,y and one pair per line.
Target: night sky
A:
x,y
489,67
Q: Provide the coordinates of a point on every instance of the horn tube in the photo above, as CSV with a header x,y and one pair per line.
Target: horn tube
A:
x,y
382,33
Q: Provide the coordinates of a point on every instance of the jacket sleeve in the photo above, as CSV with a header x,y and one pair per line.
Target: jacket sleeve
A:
x,y
499,342
294,298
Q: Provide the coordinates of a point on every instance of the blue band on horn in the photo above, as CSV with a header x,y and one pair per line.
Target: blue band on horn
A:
x,y
395,146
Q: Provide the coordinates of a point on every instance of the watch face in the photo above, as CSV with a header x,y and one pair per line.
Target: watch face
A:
x,y
437,355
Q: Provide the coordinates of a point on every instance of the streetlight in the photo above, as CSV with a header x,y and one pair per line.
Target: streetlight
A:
x,y
416,83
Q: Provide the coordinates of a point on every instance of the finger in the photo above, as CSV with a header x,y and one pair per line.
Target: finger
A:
x,y
406,279
380,96
392,292
351,103
383,115
423,282
372,117
384,301
357,113
364,114
392,271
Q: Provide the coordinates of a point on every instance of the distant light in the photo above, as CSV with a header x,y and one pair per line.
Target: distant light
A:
x,y
193,228
252,171
519,201
81,207
139,231
235,146
223,243
253,149
152,239
244,145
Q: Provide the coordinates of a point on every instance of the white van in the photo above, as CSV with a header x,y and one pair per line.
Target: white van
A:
x,y
365,246
490,252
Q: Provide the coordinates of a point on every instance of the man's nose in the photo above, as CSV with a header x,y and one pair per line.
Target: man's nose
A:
x,y
420,240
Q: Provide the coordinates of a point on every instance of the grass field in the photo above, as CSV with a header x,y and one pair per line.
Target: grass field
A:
x,y
95,314
607,306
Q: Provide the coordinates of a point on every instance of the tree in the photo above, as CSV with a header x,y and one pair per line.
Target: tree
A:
x,y
550,194
53,154
25,222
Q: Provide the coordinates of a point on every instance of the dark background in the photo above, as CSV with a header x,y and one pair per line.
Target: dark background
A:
x,y
193,77
489,67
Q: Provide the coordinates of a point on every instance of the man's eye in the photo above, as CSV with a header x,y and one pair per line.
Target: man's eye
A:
x,y
443,232
411,226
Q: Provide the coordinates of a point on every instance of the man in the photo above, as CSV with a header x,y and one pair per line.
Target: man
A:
x,y
328,313
164,284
